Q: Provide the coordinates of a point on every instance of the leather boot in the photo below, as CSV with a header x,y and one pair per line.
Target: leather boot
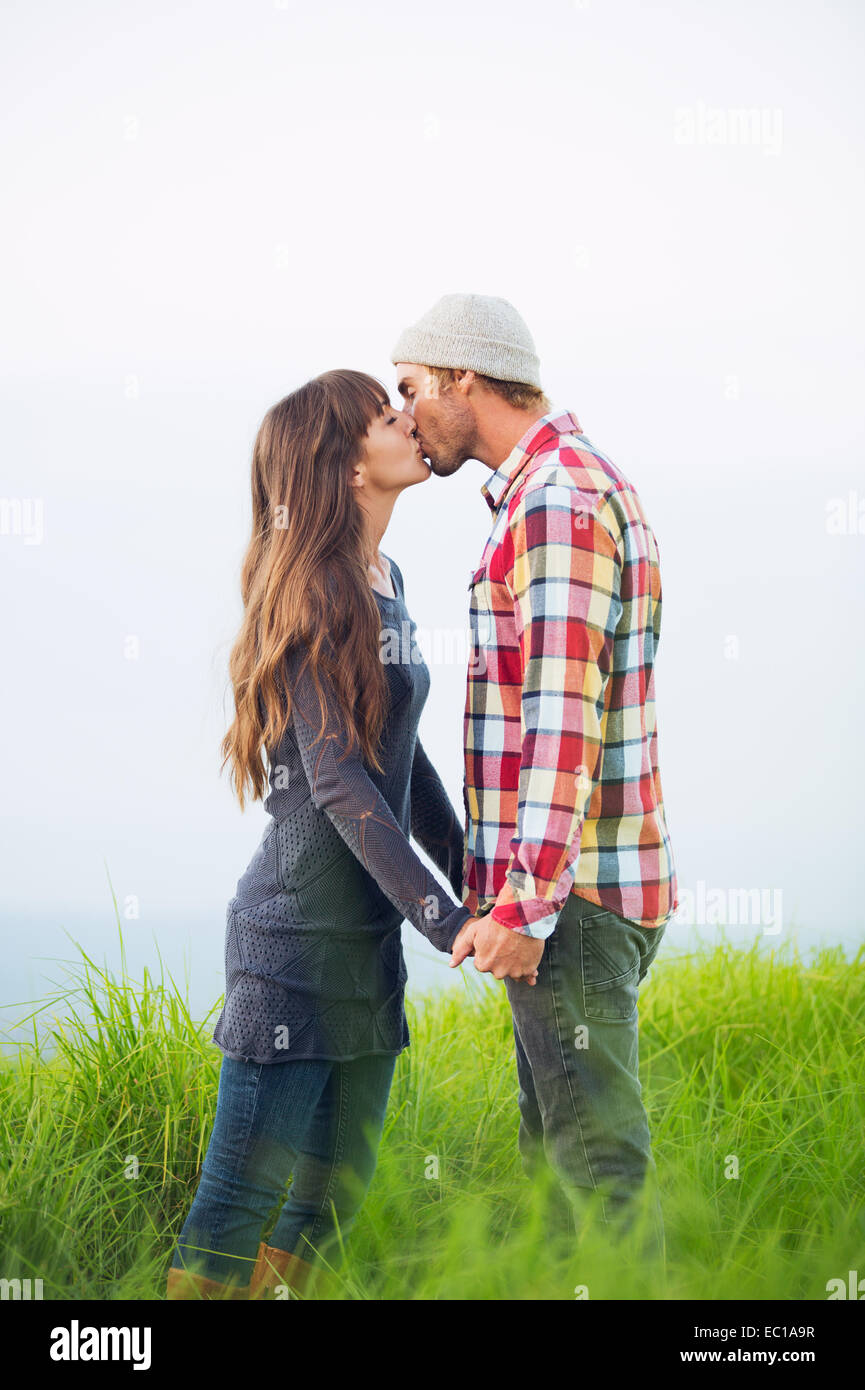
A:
x,y
274,1267
182,1284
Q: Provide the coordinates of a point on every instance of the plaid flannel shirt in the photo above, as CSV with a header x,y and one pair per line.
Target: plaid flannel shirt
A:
x,y
562,789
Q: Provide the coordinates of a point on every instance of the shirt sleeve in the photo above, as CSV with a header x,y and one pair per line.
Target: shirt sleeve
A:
x,y
434,822
341,786
563,570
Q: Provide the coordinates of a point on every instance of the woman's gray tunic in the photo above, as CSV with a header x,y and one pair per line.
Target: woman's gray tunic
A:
x,y
313,957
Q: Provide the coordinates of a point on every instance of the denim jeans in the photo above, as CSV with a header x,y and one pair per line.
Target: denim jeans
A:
x,y
581,1108
317,1122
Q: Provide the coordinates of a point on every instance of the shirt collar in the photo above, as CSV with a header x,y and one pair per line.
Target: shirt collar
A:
x,y
543,431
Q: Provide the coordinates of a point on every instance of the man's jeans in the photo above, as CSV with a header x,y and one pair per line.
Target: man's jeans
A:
x,y
319,1121
580,1102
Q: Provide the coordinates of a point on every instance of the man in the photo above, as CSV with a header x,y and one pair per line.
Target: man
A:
x,y
567,856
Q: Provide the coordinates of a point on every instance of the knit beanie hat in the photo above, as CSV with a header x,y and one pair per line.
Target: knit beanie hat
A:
x,y
472,332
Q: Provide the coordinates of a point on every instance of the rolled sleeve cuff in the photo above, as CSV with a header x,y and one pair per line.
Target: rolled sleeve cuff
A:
x,y
536,917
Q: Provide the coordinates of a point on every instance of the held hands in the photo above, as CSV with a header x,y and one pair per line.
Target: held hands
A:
x,y
498,950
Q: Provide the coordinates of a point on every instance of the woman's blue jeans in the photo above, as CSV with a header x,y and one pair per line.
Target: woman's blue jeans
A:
x,y
316,1122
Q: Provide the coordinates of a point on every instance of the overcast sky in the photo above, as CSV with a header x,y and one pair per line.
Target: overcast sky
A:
x,y
206,204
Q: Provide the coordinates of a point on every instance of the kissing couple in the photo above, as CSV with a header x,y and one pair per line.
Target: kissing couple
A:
x,y
562,878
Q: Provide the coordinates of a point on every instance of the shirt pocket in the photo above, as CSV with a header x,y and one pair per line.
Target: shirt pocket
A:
x,y
478,574
481,623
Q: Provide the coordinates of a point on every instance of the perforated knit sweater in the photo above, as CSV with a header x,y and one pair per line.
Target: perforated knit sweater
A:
x,y
313,955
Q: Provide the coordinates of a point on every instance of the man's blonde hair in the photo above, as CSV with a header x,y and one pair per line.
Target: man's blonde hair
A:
x,y
517,393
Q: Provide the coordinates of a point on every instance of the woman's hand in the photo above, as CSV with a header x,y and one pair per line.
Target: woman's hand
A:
x,y
464,942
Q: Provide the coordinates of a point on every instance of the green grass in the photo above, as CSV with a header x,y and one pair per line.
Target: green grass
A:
x,y
746,1053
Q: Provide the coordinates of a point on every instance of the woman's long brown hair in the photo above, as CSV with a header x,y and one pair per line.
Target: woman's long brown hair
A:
x,y
304,581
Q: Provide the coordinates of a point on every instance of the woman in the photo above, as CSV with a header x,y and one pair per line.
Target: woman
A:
x,y
329,684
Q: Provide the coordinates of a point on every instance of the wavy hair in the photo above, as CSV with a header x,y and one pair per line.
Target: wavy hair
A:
x,y
304,582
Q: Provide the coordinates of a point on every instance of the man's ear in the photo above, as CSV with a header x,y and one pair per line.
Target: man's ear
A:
x,y
464,381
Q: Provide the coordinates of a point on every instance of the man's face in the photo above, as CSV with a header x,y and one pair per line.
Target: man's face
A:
x,y
446,426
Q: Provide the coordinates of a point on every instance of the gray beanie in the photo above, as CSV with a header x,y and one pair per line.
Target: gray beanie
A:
x,y
475,332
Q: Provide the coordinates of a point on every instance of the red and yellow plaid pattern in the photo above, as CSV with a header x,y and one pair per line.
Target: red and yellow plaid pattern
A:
x,y
562,788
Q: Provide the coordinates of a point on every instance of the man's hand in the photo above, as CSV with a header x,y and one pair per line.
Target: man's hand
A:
x,y
498,950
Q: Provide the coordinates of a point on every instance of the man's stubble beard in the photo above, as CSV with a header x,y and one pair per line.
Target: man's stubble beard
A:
x,y
460,445
445,467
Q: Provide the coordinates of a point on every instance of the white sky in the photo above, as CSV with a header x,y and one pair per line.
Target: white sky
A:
x,y
208,203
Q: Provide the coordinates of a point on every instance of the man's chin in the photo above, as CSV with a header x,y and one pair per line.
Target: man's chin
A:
x,y
443,468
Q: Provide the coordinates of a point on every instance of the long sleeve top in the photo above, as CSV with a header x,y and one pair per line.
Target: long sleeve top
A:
x,y
562,788
314,962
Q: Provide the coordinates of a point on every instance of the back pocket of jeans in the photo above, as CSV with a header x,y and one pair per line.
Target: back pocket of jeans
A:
x,y
610,958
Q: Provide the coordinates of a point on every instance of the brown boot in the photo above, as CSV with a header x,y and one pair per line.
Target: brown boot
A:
x,y
276,1267
182,1284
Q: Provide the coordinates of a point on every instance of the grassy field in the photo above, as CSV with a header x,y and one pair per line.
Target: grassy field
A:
x,y
743,1053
